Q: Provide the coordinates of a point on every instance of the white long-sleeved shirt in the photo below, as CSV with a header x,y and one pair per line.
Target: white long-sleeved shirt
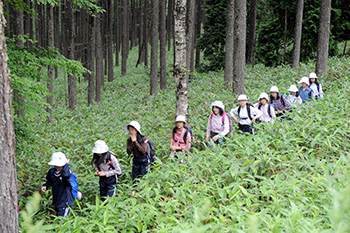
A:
x,y
293,100
215,125
265,114
317,94
243,114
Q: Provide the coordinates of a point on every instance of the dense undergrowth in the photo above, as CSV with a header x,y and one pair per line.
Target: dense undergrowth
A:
x,y
291,177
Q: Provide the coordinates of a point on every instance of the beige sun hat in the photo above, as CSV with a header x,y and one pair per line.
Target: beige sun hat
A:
x,y
293,88
242,97
218,104
135,125
263,95
180,118
100,147
304,80
274,89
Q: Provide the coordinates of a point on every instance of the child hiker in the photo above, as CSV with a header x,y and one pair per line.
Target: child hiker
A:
x,y
268,112
315,86
180,137
294,98
58,178
279,102
305,92
218,123
246,113
137,144
106,167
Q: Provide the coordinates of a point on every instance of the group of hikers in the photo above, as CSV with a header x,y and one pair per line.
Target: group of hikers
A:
x,y
106,165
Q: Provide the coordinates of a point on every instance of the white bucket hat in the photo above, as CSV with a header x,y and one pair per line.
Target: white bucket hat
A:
x,y
293,88
242,97
263,95
58,159
218,104
100,147
274,89
313,75
135,125
304,80
180,118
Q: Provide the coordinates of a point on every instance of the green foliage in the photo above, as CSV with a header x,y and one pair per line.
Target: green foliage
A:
x,y
212,41
29,73
291,177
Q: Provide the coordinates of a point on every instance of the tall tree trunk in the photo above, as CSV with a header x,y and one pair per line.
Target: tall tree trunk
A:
x,y
170,22
50,69
198,31
252,32
72,82
99,61
239,46
91,58
154,47
190,36
8,174
297,33
133,24
162,37
63,44
28,23
118,21
228,75
285,35
141,29
181,76
110,41
145,37
323,38
125,47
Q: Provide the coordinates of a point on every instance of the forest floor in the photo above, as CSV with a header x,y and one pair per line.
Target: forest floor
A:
x,y
291,177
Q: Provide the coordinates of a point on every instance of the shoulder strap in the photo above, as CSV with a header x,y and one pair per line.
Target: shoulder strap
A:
x,y
248,111
269,110
239,110
282,100
109,159
259,106
211,115
318,88
51,172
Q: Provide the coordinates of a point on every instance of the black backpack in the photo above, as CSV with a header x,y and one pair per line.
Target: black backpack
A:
x,y
310,92
248,110
268,109
151,153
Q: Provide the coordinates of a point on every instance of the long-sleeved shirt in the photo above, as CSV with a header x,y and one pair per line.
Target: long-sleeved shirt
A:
x,y
293,100
215,125
317,94
304,94
265,114
278,105
136,148
62,195
243,114
104,166
177,139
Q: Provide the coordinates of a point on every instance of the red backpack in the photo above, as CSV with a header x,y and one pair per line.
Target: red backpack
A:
x,y
223,120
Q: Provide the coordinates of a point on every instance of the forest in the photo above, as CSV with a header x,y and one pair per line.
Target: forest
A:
x,y
74,72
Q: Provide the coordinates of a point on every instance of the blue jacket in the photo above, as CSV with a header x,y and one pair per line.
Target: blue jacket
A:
x,y
305,95
62,195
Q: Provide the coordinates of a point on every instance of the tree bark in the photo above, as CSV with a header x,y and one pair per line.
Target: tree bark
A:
x,y
141,29
297,33
228,75
70,33
8,184
50,69
170,23
181,76
239,47
154,47
252,32
145,38
125,46
190,17
91,58
285,36
99,59
162,37
110,41
198,31
323,38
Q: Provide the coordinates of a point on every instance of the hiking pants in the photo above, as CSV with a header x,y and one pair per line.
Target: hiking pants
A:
x,y
107,186
62,211
245,128
139,167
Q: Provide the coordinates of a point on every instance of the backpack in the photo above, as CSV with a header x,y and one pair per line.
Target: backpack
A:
x,y
310,92
188,130
282,100
151,153
223,120
73,183
268,109
248,110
